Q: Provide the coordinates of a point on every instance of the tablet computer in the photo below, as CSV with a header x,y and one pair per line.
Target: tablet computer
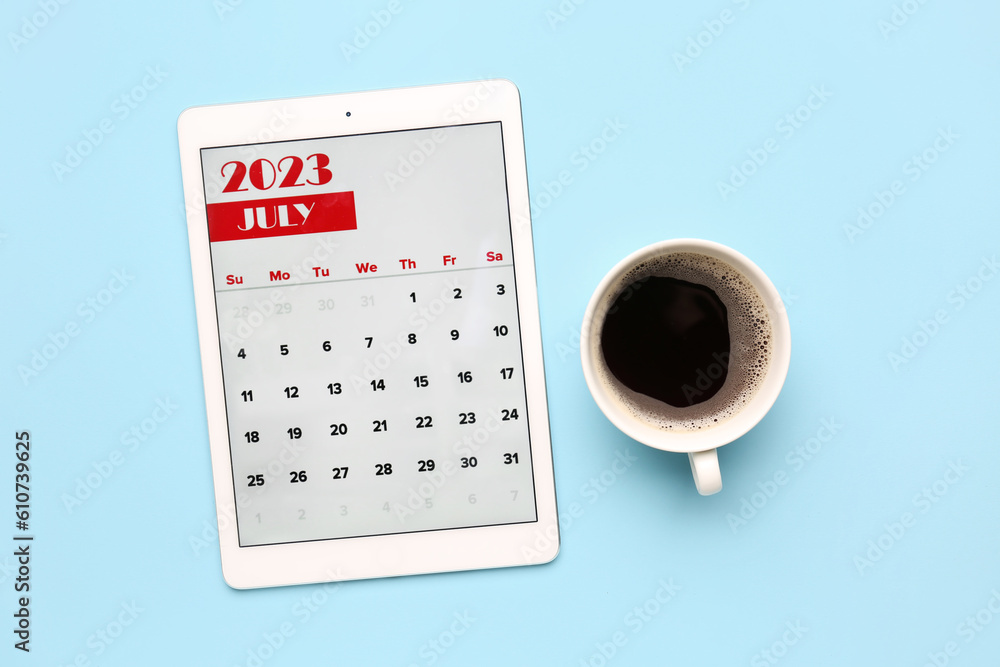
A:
x,y
368,324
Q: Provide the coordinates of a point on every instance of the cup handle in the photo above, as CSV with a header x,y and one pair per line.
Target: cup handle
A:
x,y
705,468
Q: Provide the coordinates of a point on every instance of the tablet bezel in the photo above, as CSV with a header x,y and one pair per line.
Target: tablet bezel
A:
x,y
342,559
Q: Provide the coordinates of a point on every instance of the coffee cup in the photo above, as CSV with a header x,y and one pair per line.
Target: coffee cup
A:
x,y
685,346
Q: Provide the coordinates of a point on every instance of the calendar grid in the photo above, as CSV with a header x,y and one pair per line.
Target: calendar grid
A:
x,y
518,408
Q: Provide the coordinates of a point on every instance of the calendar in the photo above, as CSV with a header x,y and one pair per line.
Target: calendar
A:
x,y
368,315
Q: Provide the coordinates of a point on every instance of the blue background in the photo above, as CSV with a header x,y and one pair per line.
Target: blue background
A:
x,y
819,570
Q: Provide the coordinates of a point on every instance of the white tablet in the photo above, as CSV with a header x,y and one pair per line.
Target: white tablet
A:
x,y
369,332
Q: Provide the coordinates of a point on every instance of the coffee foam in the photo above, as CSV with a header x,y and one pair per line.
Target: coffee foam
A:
x,y
750,337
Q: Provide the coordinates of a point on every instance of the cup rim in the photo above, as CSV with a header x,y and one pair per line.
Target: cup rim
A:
x,y
733,427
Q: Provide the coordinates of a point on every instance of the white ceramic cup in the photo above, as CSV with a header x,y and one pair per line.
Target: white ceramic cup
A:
x,y
700,445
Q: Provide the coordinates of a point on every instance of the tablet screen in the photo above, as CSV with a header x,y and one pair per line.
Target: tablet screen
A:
x,y
368,328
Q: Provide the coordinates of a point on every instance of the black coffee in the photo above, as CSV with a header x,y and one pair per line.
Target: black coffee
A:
x,y
684,341
668,339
